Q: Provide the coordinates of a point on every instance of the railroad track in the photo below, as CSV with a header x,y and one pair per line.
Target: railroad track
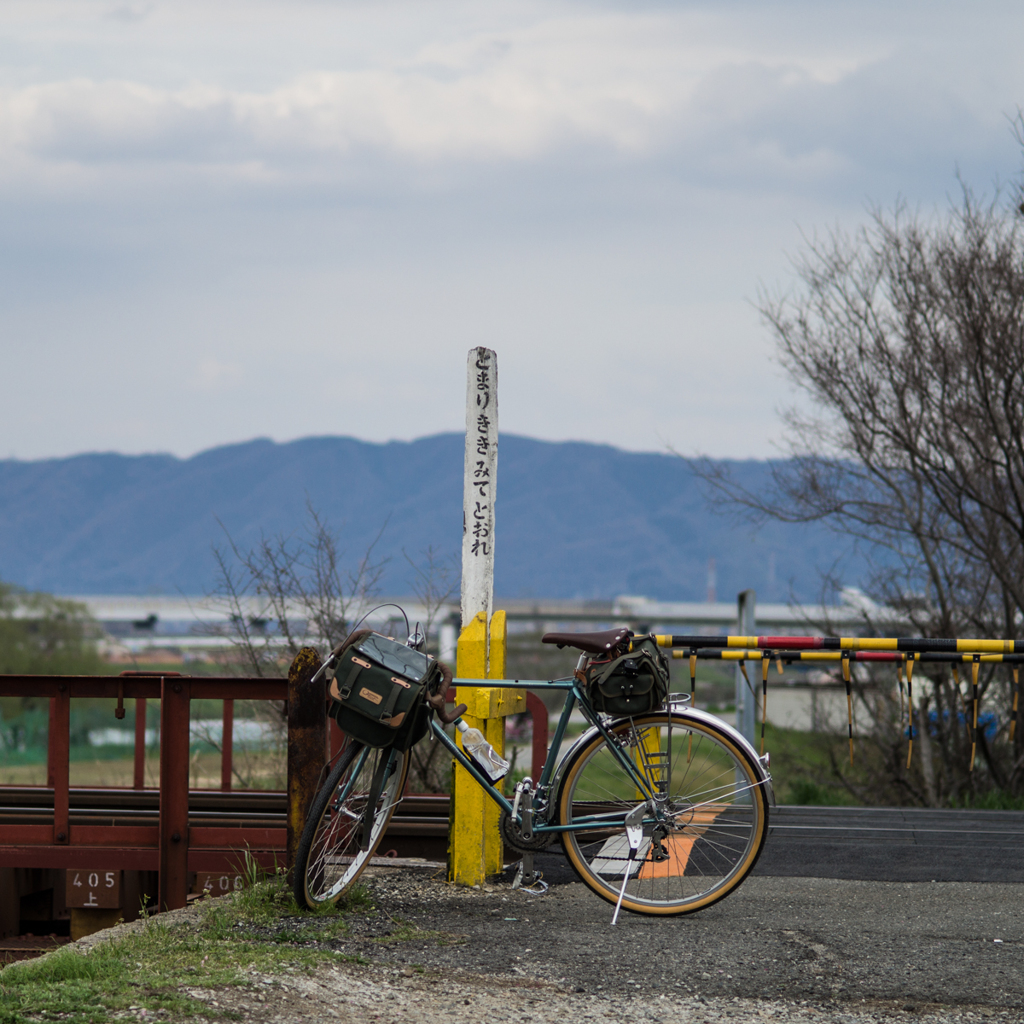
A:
x,y
420,828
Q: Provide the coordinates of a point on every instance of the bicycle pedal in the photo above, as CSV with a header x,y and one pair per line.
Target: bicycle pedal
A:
x,y
528,880
538,888
517,881
532,884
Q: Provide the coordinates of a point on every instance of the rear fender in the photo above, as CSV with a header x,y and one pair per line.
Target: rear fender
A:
x,y
759,764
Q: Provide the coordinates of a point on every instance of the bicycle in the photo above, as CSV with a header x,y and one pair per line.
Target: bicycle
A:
x,y
662,813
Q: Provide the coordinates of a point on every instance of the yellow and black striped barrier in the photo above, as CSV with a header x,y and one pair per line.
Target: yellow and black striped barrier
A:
x,y
904,652
906,645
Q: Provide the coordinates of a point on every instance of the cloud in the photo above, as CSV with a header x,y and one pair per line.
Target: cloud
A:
x,y
218,205
630,88
130,13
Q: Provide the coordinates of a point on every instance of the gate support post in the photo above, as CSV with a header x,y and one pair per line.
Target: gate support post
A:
x,y
746,699
174,744
139,780
307,742
59,755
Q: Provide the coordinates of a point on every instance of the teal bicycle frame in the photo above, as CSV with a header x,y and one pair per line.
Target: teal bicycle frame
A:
x,y
574,697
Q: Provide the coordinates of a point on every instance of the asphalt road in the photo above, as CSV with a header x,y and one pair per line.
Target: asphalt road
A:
x,y
900,946
887,844
897,908
894,844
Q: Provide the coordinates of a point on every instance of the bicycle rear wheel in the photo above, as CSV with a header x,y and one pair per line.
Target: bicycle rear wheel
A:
x,y
339,838
709,827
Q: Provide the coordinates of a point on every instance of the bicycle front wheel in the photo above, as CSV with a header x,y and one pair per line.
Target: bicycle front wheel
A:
x,y
340,837
705,835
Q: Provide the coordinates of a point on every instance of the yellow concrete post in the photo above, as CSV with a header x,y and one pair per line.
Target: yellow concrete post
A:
x,y
494,731
475,847
650,744
466,834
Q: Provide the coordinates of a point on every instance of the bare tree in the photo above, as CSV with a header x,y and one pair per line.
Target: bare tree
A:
x,y
291,592
434,581
286,593
908,339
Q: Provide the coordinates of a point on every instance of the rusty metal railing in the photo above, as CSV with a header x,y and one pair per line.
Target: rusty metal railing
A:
x,y
172,845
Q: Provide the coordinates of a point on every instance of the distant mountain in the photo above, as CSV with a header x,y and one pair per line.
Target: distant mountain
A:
x,y
573,519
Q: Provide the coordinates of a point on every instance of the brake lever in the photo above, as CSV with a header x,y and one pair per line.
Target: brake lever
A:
x,y
438,700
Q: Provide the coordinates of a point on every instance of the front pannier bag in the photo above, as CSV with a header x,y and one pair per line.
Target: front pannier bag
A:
x,y
632,683
379,690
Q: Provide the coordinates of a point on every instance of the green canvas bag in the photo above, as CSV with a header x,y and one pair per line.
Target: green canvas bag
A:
x,y
632,683
379,689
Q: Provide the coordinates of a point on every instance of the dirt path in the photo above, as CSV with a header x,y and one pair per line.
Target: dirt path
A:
x,y
352,994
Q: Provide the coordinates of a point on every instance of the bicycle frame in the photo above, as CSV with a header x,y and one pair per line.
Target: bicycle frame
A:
x,y
574,697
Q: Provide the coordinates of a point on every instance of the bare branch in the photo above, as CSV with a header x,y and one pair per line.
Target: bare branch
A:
x,y
908,337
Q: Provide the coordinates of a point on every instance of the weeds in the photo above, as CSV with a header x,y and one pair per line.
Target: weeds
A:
x,y
802,768
259,929
994,800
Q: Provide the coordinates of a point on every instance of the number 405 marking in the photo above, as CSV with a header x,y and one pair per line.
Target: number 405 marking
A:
x,y
94,889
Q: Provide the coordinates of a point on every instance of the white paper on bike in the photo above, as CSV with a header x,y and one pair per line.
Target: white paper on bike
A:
x,y
479,489
613,858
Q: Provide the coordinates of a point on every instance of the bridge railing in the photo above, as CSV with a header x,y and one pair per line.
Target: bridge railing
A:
x,y
171,847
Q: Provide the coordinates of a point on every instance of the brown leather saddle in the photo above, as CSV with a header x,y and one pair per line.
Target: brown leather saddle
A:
x,y
591,643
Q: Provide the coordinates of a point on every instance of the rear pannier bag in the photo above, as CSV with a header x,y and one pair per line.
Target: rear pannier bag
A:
x,y
379,690
630,684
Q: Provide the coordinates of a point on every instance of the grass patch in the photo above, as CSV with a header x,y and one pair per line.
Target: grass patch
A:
x,y
994,800
259,930
802,768
806,770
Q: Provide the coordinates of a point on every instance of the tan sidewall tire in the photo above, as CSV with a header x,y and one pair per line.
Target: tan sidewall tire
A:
x,y
736,876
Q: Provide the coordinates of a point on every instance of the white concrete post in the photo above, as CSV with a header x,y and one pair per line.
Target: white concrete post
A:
x,y
479,484
746,702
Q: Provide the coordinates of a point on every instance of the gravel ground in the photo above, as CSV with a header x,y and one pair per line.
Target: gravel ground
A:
x,y
391,996
779,949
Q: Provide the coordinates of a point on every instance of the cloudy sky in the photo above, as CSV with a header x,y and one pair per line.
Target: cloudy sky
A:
x,y
225,220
